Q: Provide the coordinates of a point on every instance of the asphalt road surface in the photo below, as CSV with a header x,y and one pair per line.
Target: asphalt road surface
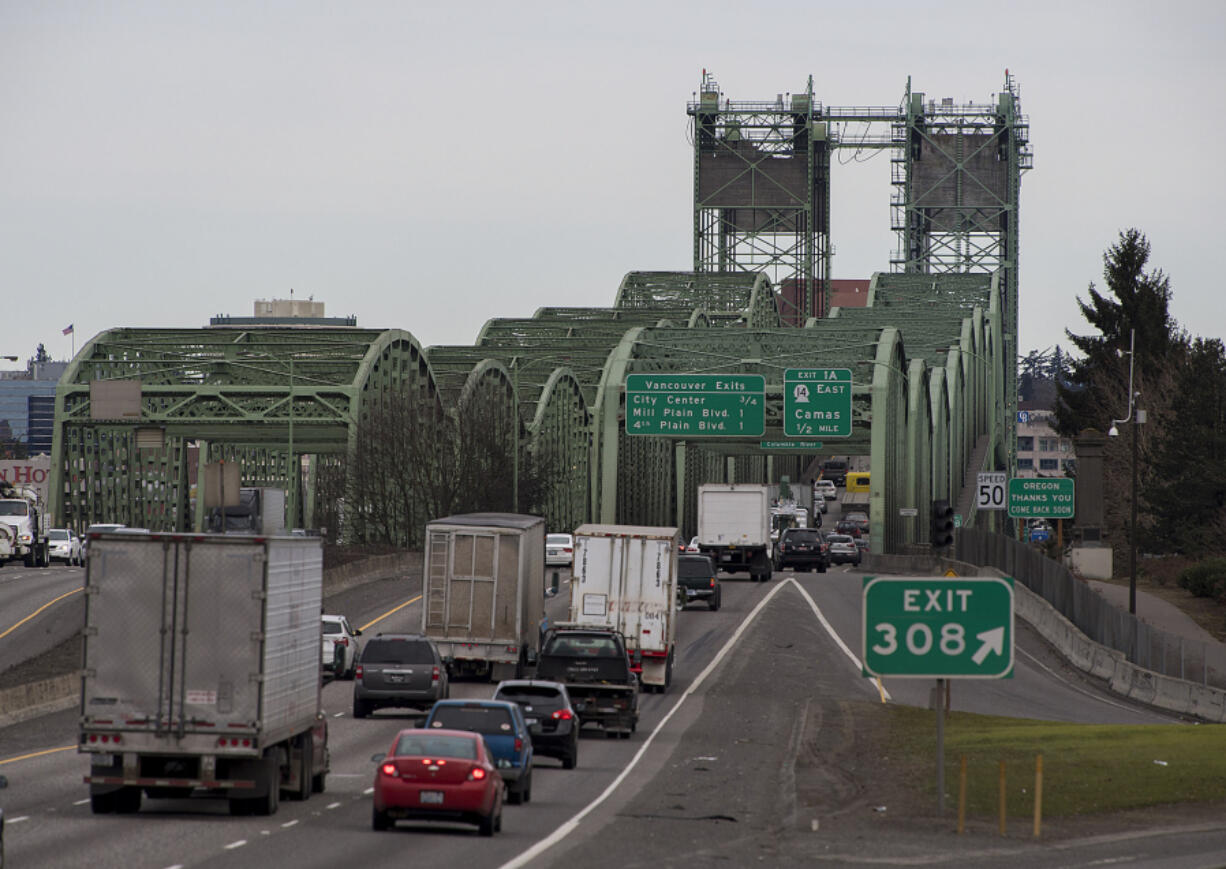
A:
x,y
748,759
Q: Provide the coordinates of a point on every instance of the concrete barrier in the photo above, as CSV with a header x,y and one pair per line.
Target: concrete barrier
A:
x,y
1124,678
23,702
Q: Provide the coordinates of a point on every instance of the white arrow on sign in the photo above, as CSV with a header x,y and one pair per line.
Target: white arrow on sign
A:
x,y
993,641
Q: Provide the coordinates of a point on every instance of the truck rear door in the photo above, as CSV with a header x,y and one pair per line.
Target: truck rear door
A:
x,y
471,586
173,633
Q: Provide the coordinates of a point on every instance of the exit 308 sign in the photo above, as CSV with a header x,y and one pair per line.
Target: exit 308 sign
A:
x,y
938,627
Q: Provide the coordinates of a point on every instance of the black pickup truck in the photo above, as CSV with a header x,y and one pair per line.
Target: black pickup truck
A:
x,y
592,663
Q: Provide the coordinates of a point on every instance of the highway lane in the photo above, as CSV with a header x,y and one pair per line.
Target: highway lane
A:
x,y
58,829
335,827
40,607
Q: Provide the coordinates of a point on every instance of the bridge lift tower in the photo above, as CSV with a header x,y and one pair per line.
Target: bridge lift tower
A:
x,y
762,194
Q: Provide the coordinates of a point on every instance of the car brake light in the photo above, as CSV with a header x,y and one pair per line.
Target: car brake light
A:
x,y
563,715
388,769
357,672
519,744
343,641
434,675
476,774
713,582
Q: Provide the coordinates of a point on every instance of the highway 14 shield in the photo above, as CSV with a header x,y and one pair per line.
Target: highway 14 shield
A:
x,y
933,627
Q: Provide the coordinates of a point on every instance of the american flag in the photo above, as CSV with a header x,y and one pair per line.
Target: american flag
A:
x,y
68,329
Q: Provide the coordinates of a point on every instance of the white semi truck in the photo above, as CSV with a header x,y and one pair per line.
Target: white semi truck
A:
x,y
202,670
484,596
625,578
24,526
734,527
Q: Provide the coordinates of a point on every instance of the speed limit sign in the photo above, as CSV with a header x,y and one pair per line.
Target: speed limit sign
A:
x,y
990,494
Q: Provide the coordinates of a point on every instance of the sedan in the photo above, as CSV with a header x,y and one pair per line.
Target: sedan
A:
x,y
826,489
843,549
65,546
438,775
559,550
552,721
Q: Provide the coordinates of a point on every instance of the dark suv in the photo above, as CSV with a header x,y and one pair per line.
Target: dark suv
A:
x,y
802,549
696,580
551,719
402,670
835,470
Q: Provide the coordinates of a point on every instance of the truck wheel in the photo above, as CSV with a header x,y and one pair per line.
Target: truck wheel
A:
x,y
270,802
102,804
714,602
360,709
30,560
318,782
303,791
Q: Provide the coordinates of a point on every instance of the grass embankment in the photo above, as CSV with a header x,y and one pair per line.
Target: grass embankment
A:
x,y
1087,768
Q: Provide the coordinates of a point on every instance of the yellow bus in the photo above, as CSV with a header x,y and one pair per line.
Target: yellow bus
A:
x,y
857,481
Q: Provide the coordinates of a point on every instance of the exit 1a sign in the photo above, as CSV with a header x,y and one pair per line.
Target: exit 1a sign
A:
x,y
932,627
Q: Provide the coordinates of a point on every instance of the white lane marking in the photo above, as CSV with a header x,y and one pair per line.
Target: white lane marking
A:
x,y
333,805
175,866
19,819
337,714
368,792
81,802
289,824
567,826
833,634
240,843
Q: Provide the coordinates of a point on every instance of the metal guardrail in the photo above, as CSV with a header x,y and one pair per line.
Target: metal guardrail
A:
x,y
1106,624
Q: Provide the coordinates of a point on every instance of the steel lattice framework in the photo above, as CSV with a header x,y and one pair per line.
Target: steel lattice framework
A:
x,y
256,396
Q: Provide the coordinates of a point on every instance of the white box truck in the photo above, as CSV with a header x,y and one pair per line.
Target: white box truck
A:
x,y
202,670
484,595
734,527
625,578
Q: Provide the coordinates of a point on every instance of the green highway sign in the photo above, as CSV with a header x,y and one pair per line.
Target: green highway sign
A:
x,y
817,402
1041,498
807,446
696,405
932,627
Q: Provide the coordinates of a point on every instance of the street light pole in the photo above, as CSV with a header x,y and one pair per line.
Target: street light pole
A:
x,y
515,427
1114,432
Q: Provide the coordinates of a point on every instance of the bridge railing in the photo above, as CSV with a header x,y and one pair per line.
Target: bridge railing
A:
x,y
1103,622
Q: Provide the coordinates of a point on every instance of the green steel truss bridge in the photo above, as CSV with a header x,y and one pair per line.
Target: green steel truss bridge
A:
x,y
931,355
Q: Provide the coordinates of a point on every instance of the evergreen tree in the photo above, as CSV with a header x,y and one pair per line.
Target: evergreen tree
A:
x,y
1188,491
1097,387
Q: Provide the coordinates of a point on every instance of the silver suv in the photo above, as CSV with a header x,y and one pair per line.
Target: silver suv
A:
x,y
401,670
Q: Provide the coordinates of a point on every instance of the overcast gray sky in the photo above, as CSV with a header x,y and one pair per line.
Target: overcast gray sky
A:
x,y
430,166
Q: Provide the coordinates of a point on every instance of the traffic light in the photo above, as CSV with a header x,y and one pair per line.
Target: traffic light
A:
x,y
942,532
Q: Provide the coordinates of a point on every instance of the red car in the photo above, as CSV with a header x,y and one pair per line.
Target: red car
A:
x,y
438,775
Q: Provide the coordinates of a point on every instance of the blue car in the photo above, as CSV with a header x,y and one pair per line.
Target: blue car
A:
x,y
506,735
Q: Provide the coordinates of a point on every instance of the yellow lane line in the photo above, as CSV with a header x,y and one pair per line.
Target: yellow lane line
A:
x,y
39,610
37,754
881,689
378,619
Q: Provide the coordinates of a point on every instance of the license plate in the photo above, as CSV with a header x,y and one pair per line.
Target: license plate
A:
x,y
690,592
432,797
395,678
530,721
